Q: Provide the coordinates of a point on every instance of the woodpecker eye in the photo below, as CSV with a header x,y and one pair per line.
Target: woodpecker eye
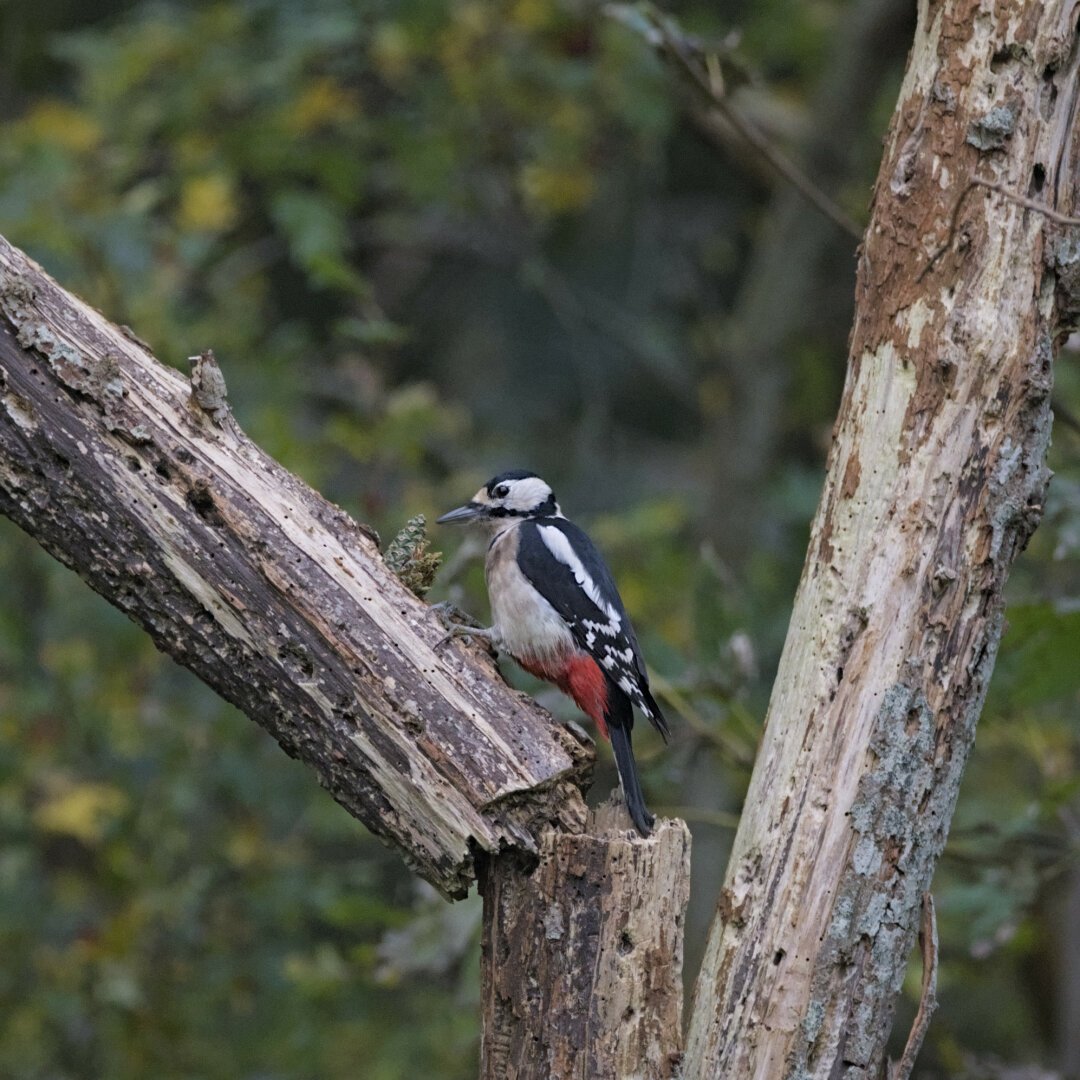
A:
x,y
501,491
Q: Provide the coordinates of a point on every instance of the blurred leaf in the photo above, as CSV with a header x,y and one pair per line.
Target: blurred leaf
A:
x,y
81,810
63,125
556,191
207,204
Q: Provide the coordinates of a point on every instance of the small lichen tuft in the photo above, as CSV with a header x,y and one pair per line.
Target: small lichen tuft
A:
x,y
21,412
1063,257
992,130
16,292
812,1021
554,923
408,557
209,394
95,377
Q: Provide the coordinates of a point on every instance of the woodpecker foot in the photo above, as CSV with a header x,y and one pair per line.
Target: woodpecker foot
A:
x,y
451,615
460,624
470,633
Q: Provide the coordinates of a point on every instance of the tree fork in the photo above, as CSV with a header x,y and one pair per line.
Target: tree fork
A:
x,y
935,482
144,485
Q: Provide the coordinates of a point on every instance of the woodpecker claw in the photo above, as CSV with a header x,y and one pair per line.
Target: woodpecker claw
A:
x,y
469,633
460,624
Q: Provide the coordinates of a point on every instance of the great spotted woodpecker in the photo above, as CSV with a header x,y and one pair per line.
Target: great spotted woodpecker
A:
x,y
555,609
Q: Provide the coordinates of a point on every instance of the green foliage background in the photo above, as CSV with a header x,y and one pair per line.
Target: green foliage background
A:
x,y
429,239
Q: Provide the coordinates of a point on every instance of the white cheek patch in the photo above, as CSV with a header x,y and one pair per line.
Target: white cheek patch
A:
x,y
556,542
527,494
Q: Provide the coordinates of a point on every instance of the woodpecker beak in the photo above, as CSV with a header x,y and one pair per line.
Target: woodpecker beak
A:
x,y
462,515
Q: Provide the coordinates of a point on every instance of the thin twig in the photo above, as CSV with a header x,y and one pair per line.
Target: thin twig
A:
x,y
772,154
590,311
710,83
928,946
1030,204
949,235
729,748
1004,192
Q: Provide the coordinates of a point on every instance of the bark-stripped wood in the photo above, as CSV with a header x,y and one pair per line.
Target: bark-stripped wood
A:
x,y
936,480
144,485
582,957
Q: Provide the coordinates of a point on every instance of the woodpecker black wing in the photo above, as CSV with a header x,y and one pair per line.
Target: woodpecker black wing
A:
x,y
563,565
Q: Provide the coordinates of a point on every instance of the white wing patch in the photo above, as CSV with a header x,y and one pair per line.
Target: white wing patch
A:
x,y
555,541
606,641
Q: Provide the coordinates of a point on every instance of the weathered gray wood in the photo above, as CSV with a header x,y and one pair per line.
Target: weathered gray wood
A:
x,y
582,956
142,482
936,479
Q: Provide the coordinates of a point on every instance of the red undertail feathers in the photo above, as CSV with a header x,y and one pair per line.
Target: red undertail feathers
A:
x,y
579,677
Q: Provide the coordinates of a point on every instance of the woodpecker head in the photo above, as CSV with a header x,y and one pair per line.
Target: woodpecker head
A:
x,y
505,499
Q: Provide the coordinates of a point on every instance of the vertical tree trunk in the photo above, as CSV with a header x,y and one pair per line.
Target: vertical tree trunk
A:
x,y
936,480
582,956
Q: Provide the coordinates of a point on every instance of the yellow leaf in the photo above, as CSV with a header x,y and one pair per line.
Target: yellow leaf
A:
x,y
556,190
193,150
207,203
532,14
391,52
82,810
245,845
569,118
323,102
56,122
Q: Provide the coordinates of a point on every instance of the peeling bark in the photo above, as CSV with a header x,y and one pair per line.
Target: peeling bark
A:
x,y
143,483
582,957
936,480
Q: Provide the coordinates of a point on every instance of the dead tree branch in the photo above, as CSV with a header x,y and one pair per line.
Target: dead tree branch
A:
x,y
143,483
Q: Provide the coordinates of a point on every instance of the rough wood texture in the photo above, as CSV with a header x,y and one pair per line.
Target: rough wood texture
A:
x,y
936,479
145,486
582,958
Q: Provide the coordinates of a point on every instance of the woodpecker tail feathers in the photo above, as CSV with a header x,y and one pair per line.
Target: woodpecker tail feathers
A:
x,y
624,760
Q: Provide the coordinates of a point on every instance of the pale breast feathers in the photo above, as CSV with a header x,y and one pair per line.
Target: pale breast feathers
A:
x,y
526,624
